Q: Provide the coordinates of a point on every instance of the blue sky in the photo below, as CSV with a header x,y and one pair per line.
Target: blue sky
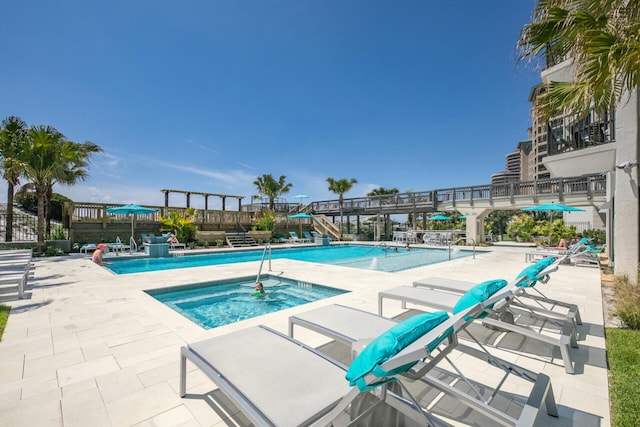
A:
x,y
208,95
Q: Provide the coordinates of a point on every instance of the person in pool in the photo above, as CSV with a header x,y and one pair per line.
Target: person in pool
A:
x,y
97,255
258,290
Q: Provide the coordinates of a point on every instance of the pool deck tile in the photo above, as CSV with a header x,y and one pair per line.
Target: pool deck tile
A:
x,y
88,347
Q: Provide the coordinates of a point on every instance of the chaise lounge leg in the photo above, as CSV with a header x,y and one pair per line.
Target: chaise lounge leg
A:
x,y
183,373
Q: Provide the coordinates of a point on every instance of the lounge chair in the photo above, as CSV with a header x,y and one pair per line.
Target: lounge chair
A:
x,y
88,247
293,238
276,380
589,257
504,317
570,252
353,328
536,302
15,269
308,236
117,246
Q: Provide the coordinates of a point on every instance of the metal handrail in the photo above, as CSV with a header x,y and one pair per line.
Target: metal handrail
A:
x,y
264,252
464,238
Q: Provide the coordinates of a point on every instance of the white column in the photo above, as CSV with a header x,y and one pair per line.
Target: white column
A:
x,y
475,224
625,202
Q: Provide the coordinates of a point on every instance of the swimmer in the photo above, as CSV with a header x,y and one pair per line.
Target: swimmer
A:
x,y
258,290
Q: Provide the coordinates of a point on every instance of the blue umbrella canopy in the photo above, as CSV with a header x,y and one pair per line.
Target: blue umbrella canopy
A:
x,y
439,218
130,209
301,215
551,208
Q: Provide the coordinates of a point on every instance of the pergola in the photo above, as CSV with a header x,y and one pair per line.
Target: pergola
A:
x,y
206,198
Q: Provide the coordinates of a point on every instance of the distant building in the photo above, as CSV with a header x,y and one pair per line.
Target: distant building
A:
x,y
512,172
525,160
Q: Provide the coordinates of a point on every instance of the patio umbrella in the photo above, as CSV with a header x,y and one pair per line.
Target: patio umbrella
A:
x,y
130,209
551,208
440,218
301,215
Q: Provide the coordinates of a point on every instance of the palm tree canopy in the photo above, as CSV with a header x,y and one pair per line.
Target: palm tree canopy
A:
x,y
49,158
602,38
13,136
382,191
270,188
341,186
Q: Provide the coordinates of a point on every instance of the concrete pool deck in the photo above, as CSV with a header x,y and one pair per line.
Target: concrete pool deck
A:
x,y
88,347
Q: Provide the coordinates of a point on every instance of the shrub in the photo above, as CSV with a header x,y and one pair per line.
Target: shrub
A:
x,y
267,221
57,233
53,251
521,227
220,242
598,236
627,301
4,316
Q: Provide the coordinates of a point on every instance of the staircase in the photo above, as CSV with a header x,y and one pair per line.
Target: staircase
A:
x,y
323,225
239,240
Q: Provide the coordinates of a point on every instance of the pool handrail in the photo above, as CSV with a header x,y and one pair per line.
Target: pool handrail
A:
x,y
264,252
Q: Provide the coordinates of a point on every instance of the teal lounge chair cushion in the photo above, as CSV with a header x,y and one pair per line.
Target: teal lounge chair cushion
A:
x,y
479,293
531,272
390,343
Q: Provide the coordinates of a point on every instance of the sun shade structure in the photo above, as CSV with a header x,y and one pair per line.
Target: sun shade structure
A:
x,y
551,208
301,215
131,209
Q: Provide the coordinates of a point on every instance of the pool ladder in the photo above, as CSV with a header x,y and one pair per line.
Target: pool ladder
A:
x,y
264,253
463,238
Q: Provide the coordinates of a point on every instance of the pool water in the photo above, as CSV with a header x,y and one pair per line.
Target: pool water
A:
x,y
381,258
219,303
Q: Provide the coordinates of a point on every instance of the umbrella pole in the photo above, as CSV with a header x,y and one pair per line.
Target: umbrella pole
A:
x,y
131,240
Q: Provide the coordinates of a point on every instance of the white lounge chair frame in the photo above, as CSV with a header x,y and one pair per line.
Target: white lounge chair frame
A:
x,y
350,326
569,311
256,370
439,300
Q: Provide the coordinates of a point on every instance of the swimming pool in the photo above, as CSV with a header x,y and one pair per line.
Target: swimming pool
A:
x,y
222,302
381,258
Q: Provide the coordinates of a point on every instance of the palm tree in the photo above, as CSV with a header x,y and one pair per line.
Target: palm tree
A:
x,y
340,187
71,173
268,187
13,134
603,40
50,158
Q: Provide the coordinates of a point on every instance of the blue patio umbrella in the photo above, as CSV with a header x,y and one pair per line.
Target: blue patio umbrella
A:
x,y
131,209
551,208
301,215
440,218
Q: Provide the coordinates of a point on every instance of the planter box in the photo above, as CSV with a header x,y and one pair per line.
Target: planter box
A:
x,y
261,235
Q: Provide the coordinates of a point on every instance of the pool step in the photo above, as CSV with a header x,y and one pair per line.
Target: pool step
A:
x,y
236,240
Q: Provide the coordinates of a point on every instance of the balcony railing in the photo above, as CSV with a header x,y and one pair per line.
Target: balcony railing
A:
x,y
579,135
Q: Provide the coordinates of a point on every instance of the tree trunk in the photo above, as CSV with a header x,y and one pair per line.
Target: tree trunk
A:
x,y
9,227
41,193
47,211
